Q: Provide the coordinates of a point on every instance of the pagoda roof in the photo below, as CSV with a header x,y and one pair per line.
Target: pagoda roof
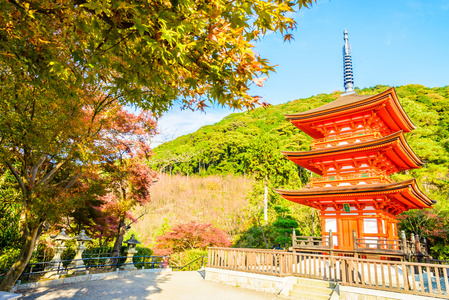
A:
x,y
394,146
405,193
387,103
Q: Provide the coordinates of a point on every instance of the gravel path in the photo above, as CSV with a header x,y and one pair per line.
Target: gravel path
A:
x,y
174,285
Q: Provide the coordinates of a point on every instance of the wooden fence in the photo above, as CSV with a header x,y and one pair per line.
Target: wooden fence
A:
x,y
394,276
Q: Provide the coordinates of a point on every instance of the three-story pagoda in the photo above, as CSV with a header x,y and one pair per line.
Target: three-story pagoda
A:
x,y
358,142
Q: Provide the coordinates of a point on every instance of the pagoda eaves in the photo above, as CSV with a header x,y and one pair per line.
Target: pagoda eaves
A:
x,y
393,151
345,112
406,193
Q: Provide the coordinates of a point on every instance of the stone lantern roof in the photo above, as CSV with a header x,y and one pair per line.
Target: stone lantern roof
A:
x,y
132,241
82,236
62,236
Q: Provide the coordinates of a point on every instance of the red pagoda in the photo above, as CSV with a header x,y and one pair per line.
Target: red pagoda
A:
x,y
358,141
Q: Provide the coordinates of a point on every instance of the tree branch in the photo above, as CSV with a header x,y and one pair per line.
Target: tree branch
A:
x,y
72,182
17,176
51,174
35,168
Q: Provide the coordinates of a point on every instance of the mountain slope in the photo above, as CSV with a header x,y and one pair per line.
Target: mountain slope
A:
x,y
226,147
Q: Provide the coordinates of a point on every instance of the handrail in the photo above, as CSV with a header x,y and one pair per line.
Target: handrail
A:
x,y
337,138
417,278
364,175
190,263
59,267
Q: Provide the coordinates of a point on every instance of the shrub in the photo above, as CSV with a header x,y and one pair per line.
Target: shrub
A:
x,y
181,259
191,235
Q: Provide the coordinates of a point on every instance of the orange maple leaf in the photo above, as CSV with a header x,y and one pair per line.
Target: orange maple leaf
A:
x,y
288,37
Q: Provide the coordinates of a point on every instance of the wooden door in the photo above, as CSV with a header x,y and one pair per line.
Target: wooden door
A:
x,y
347,226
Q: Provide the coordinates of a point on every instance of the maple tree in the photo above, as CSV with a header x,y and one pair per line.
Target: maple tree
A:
x,y
151,53
128,176
191,235
52,143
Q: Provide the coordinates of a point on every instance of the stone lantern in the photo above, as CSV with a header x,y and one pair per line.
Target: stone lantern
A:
x,y
129,264
55,266
77,265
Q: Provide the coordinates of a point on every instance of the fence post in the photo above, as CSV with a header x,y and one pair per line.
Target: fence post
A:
x,y
405,249
418,245
426,251
354,242
294,238
331,252
331,240
412,246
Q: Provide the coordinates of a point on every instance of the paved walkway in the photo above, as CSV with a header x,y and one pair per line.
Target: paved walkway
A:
x,y
173,285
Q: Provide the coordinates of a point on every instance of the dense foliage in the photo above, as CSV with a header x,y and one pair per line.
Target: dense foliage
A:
x,y
150,53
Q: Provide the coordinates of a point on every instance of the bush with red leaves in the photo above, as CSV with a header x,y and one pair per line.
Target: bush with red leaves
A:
x,y
191,235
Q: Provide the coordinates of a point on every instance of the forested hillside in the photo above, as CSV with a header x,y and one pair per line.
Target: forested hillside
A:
x,y
249,143
235,144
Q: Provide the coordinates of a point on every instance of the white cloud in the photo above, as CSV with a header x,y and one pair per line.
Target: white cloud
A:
x,y
176,123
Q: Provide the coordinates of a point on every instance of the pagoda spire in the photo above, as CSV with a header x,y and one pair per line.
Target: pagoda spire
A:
x,y
347,65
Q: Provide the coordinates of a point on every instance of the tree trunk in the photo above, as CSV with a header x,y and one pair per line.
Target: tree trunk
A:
x,y
265,201
263,233
13,274
119,240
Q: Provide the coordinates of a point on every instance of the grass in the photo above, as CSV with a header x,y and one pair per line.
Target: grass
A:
x,y
219,200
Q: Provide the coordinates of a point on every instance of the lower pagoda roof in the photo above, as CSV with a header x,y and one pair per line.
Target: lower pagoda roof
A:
x,y
394,146
402,196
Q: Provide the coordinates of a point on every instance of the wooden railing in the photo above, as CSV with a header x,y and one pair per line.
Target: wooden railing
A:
x,y
364,175
373,244
375,247
394,276
354,178
349,137
312,242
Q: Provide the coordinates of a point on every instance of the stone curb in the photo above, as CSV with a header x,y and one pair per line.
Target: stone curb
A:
x,y
89,277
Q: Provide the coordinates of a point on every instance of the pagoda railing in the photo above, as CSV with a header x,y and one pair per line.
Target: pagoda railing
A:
x,y
379,245
312,242
402,248
355,177
349,137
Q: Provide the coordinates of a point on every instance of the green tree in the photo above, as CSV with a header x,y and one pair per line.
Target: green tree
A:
x,y
268,164
48,143
284,225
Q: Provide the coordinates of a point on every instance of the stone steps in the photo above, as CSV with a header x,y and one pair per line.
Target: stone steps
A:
x,y
311,289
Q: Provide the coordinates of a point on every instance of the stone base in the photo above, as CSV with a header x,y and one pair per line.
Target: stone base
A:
x,y
90,277
77,269
129,267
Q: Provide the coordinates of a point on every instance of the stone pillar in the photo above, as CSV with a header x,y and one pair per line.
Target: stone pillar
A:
x,y
77,265
129,264
55,267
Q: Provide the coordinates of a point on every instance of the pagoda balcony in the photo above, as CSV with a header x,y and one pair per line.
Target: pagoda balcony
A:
x,y
353,179
365,246
343,139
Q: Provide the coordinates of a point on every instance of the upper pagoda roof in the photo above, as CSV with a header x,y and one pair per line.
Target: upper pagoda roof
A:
x,y
390,110
407,193
394,146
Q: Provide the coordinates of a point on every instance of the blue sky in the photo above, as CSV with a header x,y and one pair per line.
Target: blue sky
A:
x,y
393,42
